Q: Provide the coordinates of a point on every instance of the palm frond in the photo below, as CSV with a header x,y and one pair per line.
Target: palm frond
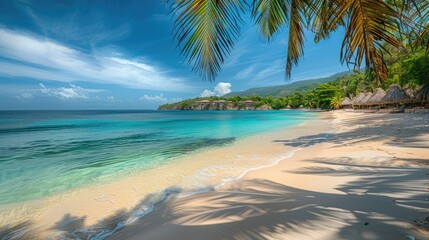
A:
x,y
324,18
270,15
420,15
371,24
297,23
413,20
206,31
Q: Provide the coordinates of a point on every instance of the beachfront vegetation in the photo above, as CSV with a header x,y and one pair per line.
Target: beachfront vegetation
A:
x,y
407,69
207,29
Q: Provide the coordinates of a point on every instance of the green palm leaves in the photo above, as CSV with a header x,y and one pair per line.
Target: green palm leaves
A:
x,y
206,29
271,15
372,24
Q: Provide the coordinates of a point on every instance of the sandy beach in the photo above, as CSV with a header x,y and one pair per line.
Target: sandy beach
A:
x,y
343,175
367,179
203,120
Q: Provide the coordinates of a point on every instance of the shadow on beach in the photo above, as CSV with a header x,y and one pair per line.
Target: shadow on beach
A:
x,y
260,208
392,130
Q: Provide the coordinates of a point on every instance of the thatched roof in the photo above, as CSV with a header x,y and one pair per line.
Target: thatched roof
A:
x,y
366,98
423,95
412,91
395,94
358,99
346,102
376,97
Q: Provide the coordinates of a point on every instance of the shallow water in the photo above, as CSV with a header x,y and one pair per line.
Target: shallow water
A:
x,y
48,152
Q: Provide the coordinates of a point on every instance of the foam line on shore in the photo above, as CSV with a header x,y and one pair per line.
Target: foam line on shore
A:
x,y
277,161
149,205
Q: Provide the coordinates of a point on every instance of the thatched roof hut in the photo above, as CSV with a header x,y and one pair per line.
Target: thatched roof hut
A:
x,y
346,102
423,95
412,91
366,98
376,97
395,94
358,99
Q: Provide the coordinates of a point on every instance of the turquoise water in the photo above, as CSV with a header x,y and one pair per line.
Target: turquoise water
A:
x,y
46,152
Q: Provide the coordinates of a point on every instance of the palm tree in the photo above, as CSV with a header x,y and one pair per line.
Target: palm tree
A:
x,y
206,29
336,101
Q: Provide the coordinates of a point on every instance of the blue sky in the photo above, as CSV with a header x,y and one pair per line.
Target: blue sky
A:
x,y
121,55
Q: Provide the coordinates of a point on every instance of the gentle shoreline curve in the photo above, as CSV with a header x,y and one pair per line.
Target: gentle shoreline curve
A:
x,y
366,180
96,210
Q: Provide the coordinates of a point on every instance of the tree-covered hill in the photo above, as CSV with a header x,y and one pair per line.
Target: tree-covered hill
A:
x,y
287,89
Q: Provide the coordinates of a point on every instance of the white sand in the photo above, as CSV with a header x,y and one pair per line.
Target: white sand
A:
x,y
356,176
368,180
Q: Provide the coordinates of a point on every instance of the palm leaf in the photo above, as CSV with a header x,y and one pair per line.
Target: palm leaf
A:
x,y
271,15
324,18
206,31
371,24
413,19
420,15
296,40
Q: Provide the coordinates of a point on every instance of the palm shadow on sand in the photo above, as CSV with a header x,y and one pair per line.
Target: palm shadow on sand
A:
x,y
259,208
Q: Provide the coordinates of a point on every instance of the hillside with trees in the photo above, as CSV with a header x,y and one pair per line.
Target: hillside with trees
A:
x,y
287,89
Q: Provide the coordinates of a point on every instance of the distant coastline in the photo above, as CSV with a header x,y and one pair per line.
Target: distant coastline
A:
x,y
217,104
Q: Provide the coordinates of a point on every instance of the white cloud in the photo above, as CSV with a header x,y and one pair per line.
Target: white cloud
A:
x,y
159,98
275,68
220,89
25,96
111,99
136,64
207,93
71,92
53,61
155,98
245,73
223,88
69,27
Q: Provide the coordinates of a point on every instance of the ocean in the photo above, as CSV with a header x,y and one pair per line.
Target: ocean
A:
x,y
43,153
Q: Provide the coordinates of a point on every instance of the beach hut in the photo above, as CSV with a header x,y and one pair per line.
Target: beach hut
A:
x,y
365,100
249,103
395,95
376,97
423,95
358,99
410,92
201,104
346,102
218,105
